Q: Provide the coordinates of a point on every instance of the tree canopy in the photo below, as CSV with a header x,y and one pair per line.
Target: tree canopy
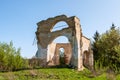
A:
x,y
106,47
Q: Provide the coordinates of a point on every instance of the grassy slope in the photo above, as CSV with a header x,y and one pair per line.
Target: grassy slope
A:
x,y
51,74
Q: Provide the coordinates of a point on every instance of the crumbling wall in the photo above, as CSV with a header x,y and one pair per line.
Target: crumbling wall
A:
x,y
87,52
51,53
67,54
45,40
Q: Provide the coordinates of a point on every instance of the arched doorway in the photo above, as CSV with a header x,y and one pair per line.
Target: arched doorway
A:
x,y
86,58
62,56
61,39
60,51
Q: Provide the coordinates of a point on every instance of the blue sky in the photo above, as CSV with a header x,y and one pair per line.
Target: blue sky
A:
x,y
18,18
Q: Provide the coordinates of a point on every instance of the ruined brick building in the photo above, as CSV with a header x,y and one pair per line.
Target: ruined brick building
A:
x,y
77,52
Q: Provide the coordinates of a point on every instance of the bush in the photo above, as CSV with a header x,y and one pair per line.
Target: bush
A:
x,y
10,58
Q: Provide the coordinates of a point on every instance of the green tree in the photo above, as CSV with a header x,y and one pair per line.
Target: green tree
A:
x,y
106,48
95,46
10,58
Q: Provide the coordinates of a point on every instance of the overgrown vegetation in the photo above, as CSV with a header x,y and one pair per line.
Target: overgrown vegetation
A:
x,y
106,48
10,58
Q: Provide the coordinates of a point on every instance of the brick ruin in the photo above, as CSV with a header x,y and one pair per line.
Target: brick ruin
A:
x,y
77,53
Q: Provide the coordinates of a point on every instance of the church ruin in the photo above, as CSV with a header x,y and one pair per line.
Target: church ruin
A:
x,y
77,52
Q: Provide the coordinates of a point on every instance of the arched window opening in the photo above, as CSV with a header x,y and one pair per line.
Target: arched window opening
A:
x,y
59,26
61,39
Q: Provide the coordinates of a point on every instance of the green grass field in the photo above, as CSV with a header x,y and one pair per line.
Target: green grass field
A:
x,y
53,74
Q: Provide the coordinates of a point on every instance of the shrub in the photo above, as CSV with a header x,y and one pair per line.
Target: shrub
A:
x,y
10,58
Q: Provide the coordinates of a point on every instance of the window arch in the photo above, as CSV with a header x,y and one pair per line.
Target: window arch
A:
x,y
59,26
